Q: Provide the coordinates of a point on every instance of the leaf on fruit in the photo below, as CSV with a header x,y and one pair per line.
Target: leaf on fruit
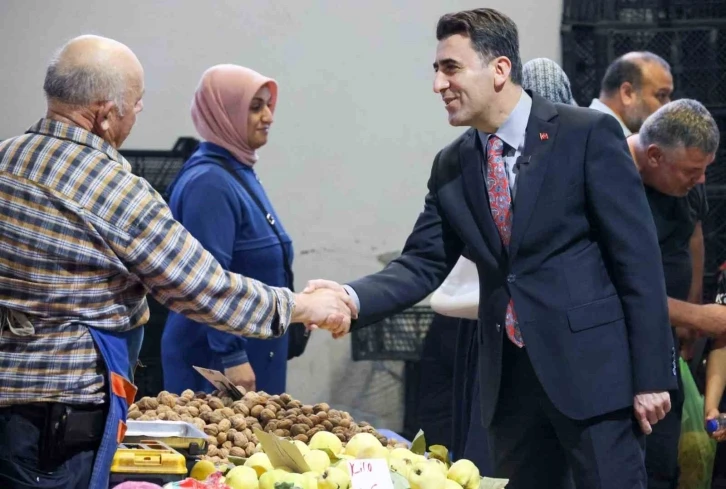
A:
x,y
284,485
439,452
488,483
419,443
399,481
333,457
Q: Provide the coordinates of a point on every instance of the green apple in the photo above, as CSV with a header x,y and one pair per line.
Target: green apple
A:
x,y
325,440
317,460
426,476
334,478
465,473
359,442
242,478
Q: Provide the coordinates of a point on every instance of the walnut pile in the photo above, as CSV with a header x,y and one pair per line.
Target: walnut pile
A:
x,y
229,424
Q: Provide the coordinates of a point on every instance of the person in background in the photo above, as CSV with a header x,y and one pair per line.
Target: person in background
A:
x,y
634,86
215,197
672,151
84,241
546,78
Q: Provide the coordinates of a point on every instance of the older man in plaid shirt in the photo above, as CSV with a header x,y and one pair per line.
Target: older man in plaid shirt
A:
x,y
83,241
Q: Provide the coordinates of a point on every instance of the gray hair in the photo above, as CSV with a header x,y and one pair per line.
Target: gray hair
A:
x,y
82,84
547,79
682,123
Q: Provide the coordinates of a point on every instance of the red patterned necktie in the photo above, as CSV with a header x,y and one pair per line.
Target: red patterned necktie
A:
x,y
500,203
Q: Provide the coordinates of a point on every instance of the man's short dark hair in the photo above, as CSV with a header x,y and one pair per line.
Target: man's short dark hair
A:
x,y
629,68
492,34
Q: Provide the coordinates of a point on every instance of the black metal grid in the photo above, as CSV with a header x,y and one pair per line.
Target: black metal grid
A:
x,y
399,337
641,11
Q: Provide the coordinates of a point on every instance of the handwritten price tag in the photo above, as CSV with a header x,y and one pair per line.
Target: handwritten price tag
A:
x,y
370,474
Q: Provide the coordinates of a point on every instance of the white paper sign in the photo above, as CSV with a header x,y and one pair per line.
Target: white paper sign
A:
x,y
370,474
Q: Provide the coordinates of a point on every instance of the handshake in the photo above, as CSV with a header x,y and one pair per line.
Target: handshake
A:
x,y
325,304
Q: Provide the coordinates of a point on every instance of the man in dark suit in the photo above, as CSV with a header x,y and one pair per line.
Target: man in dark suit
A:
x,y
573,322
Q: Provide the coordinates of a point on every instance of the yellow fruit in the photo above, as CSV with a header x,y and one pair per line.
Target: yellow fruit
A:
x,y
334,478
426,476
359,442
242,478
439,465
260,462
373,451
269,479
317,460
311,479
342,465
403,454
202,470
452,485
400,465
324,440
301,446
465,473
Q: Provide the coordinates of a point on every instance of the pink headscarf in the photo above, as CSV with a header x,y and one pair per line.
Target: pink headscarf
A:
x,y
222,103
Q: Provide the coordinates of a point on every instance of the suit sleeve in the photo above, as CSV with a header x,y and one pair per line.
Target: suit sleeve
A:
x,y
621,215
430,252
209,213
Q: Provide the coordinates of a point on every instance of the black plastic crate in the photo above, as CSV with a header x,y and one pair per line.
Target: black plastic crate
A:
x,y
697,56
399,337
159,167
641,11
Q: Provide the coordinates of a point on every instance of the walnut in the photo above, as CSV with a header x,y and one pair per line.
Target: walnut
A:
x,y
240,440
224,425
212,451
177,409
341,437
147,403
240,408
161,416
334,413
145,417
226,401
221,437
237,452
315,419
196,403
250,449
322,415
163,408
166,399
303,438
200,395
294,404
285,424
266,415
224,452
364,423
206,416
257,426
215,460
204,408
215,403
134,407
228,412
241,389
211,429
180,401
248,433
188,395
135,414
238,422
282,433
215,417
307,410
227,444
346,415
286,398
338,430
270,427
256,411
345,423
192,411
334,421
151,413
199,423
306,420
186,418
173,417
271,406
299,429
212,441
250,420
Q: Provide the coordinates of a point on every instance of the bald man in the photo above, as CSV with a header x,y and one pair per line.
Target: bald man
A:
x,y
83,241
634,86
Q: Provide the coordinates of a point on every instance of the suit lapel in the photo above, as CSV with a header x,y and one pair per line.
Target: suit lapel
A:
x,y
541,132
471,159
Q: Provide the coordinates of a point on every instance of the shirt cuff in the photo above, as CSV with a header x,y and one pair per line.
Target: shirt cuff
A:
x,y
352,293
284,304
235,359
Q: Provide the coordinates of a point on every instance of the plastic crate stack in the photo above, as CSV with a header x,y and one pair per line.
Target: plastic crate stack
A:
x,y
691,36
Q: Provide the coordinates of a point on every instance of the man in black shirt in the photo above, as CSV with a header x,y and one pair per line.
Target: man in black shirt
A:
x,y
672,151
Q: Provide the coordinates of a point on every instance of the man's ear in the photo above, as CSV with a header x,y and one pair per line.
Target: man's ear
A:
x,y
654,156
627,94
103,115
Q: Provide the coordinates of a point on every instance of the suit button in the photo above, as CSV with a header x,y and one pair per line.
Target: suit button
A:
x,y
499,327
272,354
511,278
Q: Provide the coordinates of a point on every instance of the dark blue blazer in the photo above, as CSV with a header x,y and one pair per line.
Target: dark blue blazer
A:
x,y
583,266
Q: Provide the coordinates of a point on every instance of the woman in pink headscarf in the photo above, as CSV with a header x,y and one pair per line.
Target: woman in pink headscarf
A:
x,y
218,197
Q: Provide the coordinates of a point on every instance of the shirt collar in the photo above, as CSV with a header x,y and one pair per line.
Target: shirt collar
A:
x,y
78,135
514,129
596,104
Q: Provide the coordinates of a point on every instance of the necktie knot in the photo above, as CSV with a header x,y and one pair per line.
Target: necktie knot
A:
x,y
496,147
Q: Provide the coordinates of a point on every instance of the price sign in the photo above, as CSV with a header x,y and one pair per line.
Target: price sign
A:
x,y
370,474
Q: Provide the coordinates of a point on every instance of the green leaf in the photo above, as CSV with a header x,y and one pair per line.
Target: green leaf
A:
x,y
418,446
333,458
439,452
399,481
284,485
487,483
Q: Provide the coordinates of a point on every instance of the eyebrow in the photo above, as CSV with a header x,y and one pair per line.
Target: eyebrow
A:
x,y
446,61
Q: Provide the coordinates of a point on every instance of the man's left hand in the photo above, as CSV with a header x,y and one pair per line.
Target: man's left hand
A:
x,y
651,407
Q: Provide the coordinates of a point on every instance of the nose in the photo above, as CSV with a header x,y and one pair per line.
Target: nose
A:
x,y
440,82
267,115
701,179
139,106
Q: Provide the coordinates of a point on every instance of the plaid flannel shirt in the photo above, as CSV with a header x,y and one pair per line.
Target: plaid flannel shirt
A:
x,y
82,240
